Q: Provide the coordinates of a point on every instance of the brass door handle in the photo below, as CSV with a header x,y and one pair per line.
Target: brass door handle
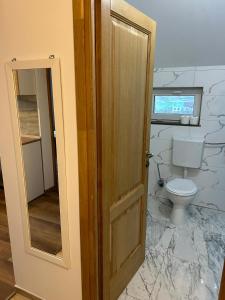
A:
x,y
148,157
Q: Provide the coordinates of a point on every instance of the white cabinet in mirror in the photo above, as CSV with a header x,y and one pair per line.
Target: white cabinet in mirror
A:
x,y
37,121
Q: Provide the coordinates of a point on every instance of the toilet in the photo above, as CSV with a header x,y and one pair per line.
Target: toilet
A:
x,y
187,153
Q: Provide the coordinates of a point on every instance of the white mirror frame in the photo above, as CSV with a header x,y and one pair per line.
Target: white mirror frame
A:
x,y
54,65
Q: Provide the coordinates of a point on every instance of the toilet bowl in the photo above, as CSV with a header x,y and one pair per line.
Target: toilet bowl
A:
x,y
181,192
187,153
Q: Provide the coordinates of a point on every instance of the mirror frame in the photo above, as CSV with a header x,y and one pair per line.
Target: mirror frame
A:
x,y
54,65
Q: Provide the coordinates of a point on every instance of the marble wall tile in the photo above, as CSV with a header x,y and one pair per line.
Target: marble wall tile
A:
x,y
217,135
211,130
214,157
212,80
179,78
210,198
162,150
220,183
209,178
213,107
176,69
168,131
209,68
204,177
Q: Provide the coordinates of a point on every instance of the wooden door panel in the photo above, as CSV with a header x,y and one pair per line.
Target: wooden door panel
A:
x,y
126,201
129,59
125,69
124,242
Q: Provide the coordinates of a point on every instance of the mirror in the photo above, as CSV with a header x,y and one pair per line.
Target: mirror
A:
x,y
39,142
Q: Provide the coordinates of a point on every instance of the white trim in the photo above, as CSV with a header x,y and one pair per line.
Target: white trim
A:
x,y
54,65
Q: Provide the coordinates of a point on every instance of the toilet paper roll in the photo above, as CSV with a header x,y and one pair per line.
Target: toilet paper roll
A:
x,y
185,120
194,120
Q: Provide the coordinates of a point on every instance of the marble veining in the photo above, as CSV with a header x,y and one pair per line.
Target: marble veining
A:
x,y
209,178
183,262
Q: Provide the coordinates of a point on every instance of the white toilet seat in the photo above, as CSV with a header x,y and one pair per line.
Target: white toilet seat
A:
x,y
182,187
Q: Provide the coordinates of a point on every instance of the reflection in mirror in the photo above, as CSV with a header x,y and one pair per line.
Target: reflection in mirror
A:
x,y
38,141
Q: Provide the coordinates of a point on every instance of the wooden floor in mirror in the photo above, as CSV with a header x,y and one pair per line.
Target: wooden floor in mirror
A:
x,y
45,227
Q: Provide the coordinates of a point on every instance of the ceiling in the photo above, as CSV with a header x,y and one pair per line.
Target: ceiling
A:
x,y
189,32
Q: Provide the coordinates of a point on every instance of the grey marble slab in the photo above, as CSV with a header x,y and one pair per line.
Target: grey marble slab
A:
x,y
183,262
210,178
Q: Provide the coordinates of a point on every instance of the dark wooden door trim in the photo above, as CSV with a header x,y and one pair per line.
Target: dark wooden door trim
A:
x,y
84,54
222,286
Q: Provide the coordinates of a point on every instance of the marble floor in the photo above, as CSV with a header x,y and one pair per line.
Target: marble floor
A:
x,y
181,263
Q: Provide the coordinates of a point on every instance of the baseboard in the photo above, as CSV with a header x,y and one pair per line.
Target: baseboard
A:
x,y
26,293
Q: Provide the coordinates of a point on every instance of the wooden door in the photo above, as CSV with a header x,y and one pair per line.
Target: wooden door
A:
x,y
124,60
222,285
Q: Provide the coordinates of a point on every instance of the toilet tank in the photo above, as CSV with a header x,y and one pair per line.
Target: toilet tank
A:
x,y
187,151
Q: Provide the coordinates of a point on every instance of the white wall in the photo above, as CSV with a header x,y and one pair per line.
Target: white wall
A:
x,y
210,178
34,30
189,32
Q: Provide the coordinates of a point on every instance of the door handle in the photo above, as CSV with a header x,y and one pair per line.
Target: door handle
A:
x,y
148,157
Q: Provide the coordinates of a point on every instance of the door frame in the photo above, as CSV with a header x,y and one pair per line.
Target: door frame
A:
x,y
84,59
